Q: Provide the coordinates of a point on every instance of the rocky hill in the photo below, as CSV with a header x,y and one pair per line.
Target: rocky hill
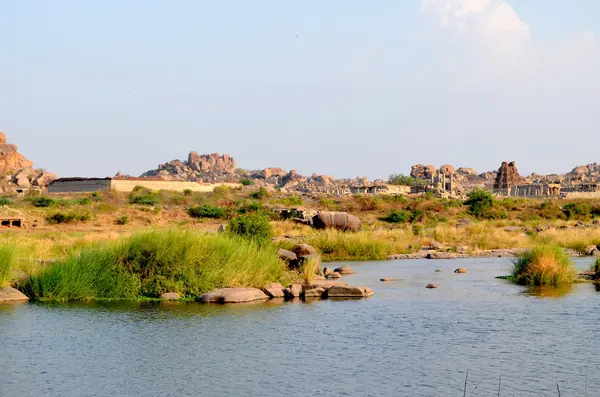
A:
x,y
17,172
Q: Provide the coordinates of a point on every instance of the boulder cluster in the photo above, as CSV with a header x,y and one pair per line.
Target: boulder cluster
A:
x,y
198,168
17,171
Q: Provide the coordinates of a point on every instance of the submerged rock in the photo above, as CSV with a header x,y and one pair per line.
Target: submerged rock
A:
x,y
8,294
389,279
344,270
333,275
233,295
431,286
461,270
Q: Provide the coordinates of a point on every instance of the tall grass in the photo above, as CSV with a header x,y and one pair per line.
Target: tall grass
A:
x,y
151,263
7,259
337,245
544,265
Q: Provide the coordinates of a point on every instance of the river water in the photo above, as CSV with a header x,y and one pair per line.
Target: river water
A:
x,y
406,340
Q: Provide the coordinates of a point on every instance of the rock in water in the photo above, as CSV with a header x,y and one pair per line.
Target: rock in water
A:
x,y
431,286
275,290
461,270
349,291
344,270
8,294
233,295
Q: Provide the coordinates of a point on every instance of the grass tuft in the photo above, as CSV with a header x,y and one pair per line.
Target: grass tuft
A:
x,y
544,265
7,258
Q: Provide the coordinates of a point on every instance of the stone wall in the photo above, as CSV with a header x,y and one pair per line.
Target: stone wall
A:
x,y
79,186
177,186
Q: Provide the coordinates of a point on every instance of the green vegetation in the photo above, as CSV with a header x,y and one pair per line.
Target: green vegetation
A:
x,y
291,201
144,199
42,201
336,245
149,264
206,211
260,194
7,257
247,182
544,265
397,217
245,207
577,210
480,204
401,179
67,217
255,227
122,220
4,201
595,266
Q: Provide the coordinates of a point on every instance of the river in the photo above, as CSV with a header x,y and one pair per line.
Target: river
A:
x,y
406,340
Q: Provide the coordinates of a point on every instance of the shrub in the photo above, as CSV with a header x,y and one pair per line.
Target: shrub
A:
x,y
144,199
291,201
67,217
138,188
247,182
397,217
42,201
187,192
206,211
4,201
577,210
123,220
260,194
149,264
401,179
328,204
549,210
254,227
249,206
83,201
97,196
480,203
544,265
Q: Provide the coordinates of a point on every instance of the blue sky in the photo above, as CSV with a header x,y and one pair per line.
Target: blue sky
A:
x,y
345,88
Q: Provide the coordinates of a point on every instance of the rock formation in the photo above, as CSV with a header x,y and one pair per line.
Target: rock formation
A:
x,y
422,171
447,170
199,167
16,171
508,176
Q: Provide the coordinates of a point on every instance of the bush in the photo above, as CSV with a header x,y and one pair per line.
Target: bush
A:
x,y
544,265
254,227
577,210
260,194
67,217
401,179
4,201
144,199
206,211
247,182
123,220
149,264
328,204
249,206
397,217
291,201
187,192
42,201
480,203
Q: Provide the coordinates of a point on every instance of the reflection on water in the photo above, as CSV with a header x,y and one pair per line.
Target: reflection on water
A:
x,y
545,291
405,340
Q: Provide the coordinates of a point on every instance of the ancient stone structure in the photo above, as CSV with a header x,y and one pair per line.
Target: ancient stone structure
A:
x,y
508,176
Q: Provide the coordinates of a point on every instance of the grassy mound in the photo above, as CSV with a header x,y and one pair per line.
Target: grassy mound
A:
x,y
151,263
544,265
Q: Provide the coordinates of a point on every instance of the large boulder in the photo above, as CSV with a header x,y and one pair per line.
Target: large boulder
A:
x,y
349,291
233,295
289,257
10,294
447,170
336,220
275,290
305,250
344,270
293,291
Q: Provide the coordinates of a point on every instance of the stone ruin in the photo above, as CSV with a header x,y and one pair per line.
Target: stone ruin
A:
x,y
508,176
17,173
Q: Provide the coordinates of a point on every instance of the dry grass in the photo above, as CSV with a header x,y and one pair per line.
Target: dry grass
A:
x,y
544,265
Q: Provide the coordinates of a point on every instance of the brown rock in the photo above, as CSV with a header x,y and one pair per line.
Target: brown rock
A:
x,y
171,296
385,280
431,286
211,163
336,220
269,172
466,171
275,290
314,293
436,246
422,171
233,295
333,275
447,170
348,291
11,294
293,291
461,270
305,249
287,256
2,137
344,270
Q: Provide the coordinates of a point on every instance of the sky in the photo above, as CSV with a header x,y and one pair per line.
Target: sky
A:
x,y
340,87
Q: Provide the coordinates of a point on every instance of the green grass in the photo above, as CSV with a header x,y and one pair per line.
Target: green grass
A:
x,y
337,245
149,264
206,211
544,265
7,258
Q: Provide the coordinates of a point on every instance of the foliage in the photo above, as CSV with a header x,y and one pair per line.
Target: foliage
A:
x,y
149,264
67,217
247,182
404,180
480,203
577,210
397,217
595,266
291,201
206,211
255,227
309,269
260,194
4,201
544,265
144,199
245,207
337,245
187,192
328,204
42,201
122,220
